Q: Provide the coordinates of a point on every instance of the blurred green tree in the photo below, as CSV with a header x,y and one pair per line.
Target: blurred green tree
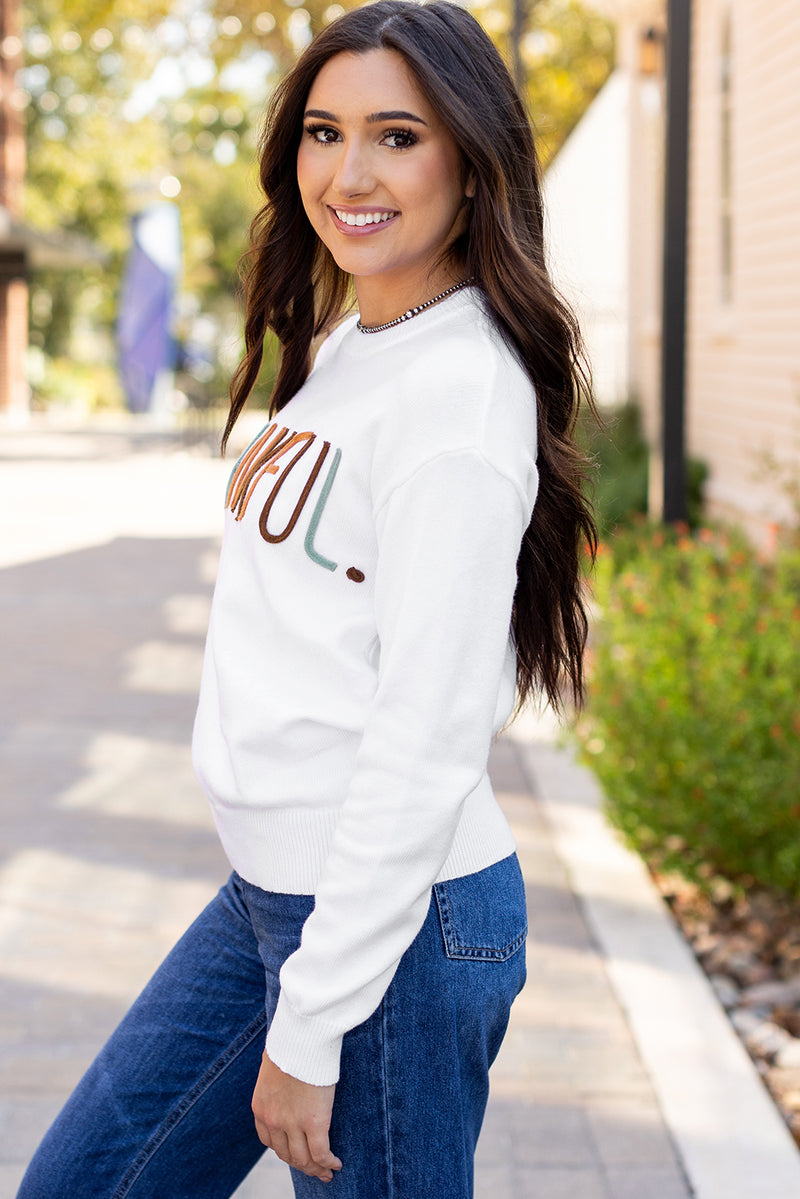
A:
x,y
566,51
81,63
127,99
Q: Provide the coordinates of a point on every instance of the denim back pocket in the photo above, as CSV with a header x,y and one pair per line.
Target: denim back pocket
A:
x,y
483,915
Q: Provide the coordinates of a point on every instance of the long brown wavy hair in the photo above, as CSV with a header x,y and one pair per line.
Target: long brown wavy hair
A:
x,y
293,287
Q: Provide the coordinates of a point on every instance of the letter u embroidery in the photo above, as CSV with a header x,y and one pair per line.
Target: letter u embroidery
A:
x,y
264,458
298,508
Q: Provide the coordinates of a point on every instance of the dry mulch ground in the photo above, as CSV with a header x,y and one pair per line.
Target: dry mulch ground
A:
x,y
749,946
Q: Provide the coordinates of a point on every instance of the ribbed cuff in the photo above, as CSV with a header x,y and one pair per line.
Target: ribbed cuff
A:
x,y
304,1046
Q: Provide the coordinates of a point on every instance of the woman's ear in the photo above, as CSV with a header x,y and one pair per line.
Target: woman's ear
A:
x,y
470,186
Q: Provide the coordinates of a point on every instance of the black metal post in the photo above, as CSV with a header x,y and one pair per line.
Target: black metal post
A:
x,y
519,22
673,337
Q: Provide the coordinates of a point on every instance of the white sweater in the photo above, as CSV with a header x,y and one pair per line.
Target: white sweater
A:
x,y
359,657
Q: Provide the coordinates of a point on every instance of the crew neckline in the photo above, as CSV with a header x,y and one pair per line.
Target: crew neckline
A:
x,y
445,310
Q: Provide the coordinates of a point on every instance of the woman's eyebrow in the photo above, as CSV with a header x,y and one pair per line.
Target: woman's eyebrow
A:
x,y
373,118
393,115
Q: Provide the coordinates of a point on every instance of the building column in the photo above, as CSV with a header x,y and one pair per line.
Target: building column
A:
x,y
13,286
13,346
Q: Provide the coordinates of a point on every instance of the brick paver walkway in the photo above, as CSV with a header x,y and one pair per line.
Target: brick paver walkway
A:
x,y
107,553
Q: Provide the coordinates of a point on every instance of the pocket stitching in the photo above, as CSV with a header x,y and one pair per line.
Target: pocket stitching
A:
x,y
458,952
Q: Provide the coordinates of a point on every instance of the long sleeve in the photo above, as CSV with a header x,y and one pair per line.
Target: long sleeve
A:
x,y
448,538
359,656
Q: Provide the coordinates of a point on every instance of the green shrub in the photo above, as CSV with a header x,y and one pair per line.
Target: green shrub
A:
x,y
621,456
693,721
77,386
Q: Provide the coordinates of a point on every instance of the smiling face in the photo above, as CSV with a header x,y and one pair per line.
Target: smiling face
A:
x,y
381,180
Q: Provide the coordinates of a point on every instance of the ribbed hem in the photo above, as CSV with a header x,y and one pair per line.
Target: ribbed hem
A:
x,y
285,849
277,849
307,1048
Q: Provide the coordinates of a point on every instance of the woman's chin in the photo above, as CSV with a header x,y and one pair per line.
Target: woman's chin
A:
x,y
354,264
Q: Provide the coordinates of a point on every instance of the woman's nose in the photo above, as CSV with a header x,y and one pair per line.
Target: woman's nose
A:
x,y
354,174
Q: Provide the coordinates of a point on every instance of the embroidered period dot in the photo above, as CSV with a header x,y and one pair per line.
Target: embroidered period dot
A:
x,y
355,574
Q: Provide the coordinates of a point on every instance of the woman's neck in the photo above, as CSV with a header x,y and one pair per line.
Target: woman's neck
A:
x,y
381,299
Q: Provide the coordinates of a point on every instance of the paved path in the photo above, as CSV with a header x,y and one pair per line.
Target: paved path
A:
x,y
108,544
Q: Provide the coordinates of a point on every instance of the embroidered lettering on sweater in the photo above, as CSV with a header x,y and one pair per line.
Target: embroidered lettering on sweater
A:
x,y
268,455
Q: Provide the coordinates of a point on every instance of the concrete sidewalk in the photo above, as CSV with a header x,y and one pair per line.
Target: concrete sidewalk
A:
x,y
108,545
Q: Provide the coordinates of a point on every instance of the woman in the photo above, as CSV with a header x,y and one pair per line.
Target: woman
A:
x,y
385,581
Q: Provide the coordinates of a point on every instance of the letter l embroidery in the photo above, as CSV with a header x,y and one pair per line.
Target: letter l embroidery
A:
x,y
316,515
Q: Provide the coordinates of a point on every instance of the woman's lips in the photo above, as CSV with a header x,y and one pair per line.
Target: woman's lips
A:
x,y
361,230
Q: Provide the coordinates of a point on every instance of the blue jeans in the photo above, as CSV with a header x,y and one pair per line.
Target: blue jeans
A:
x,y
164,1111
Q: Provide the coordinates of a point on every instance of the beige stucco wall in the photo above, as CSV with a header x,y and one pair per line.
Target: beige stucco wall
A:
x,y
645,232
586,197
743,383
645,187
603,196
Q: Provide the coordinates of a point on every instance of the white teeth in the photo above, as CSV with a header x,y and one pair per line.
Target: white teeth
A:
x,y
363,218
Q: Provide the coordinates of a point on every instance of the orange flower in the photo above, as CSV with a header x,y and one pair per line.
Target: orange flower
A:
x,y
772,538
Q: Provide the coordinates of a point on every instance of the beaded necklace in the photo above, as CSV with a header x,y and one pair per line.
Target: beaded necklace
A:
x,y
412,312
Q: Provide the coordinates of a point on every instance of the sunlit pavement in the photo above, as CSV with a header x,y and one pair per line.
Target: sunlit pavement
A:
x,y
108,546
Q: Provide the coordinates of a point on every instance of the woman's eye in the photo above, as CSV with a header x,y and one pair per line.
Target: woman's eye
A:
x,y
395,139
323,134
400,139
